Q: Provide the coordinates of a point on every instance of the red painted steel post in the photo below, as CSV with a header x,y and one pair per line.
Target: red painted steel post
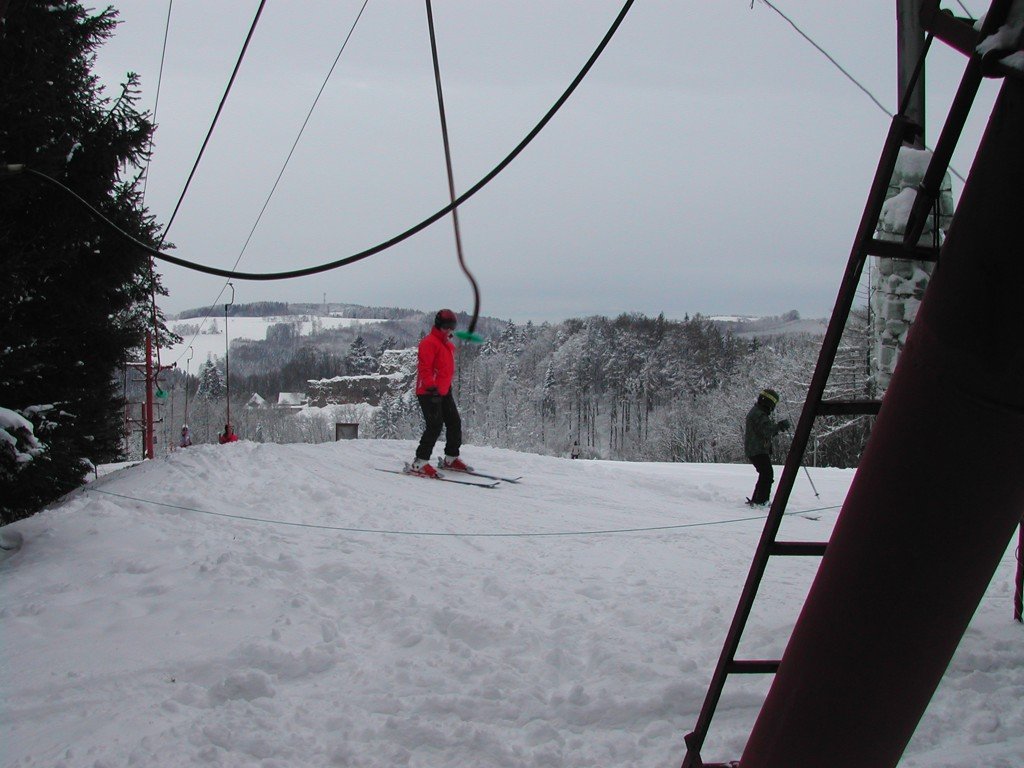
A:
x,y
150,378
933,505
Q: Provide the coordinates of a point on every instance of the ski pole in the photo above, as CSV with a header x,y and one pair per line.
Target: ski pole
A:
x,y
816,494
789,418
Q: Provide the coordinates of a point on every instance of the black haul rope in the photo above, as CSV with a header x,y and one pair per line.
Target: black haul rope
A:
x,y
469,334
11,169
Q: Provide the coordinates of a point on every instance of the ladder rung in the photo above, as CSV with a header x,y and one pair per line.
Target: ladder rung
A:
x,y
849,407
797,548
889,249
753,667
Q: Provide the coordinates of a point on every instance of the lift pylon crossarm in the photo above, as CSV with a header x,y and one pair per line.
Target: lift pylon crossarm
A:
x,y
960,35
889,249
849,407
798,548
977,66
754,666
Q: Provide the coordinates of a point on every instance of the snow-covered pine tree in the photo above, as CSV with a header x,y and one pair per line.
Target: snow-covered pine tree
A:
x,y
75,299
211,382
358,360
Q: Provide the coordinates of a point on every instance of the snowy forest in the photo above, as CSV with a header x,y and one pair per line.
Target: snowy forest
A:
x,y
626,388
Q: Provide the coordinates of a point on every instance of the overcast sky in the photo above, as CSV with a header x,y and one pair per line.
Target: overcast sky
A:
x,y
713,161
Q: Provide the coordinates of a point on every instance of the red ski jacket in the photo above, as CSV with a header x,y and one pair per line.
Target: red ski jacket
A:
x,y
436,365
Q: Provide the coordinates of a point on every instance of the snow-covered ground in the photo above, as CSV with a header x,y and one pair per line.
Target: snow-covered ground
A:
x,y
209,344
286,605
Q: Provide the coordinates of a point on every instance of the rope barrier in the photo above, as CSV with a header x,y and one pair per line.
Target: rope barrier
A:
x,y
527,534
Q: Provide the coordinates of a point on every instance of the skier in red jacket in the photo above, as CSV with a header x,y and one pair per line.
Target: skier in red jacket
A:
x,y
434,372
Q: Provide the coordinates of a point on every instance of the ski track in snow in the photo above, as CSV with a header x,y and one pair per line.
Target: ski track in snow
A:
x,y
139,634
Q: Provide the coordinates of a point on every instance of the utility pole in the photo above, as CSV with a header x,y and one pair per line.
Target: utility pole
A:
x,y
151,373
896,286
227,354
909,46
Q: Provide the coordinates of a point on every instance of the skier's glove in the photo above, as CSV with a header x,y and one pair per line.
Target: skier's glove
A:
x,y
434,395
784,425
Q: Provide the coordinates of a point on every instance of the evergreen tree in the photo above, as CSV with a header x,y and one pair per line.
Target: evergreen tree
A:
x,y
388,342
75,299
211,383
359,361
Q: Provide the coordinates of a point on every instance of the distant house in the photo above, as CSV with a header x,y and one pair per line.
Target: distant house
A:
x,y
256,401
291,400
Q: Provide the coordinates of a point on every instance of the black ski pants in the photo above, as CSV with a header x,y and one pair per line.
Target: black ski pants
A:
x,y
765,478
439,412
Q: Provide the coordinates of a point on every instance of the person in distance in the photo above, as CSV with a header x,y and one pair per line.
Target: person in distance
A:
x,y
759,431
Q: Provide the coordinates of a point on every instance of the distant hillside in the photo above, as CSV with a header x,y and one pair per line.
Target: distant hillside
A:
x,y
787,324
281,308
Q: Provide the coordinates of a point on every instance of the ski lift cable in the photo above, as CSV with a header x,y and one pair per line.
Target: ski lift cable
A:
x,y
291,152
156,101
291,274
213,124
199,157
145,180
850,77
469,334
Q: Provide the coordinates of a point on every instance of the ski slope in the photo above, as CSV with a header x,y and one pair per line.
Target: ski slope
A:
x,y
286,605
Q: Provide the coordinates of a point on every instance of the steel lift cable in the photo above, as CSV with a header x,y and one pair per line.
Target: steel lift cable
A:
x,y
156,101
216,116
284,166
145,183
202,150
469,334
13,169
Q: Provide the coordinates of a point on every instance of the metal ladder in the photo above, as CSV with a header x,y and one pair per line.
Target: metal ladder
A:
x,y
815,405
965,39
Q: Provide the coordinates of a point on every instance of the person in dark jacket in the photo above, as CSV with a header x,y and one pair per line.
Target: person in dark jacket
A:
x,y
434,373
759,431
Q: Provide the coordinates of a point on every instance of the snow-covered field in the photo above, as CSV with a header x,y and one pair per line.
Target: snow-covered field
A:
x,y
286,605
208,344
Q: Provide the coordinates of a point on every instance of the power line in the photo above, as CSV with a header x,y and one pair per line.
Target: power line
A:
x,y
964,7
11,169
828,56
840,67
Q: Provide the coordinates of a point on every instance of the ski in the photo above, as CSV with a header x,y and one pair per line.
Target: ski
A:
x,y
442,478
474,473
